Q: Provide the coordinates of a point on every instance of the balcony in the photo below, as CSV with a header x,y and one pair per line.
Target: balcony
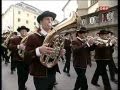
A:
x,y
101,18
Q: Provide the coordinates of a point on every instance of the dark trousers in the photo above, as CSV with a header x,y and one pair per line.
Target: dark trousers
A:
x,y
13,65
101,70
81,81
22,72
67,63
44,83
112,69
4,55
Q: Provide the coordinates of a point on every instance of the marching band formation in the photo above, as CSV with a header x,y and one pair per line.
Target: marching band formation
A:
x,y
25,52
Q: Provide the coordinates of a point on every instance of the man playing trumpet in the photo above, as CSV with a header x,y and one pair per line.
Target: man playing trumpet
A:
x,y
102,57
81,47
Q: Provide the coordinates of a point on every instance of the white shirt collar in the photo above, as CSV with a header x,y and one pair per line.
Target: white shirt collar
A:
x,y
43,31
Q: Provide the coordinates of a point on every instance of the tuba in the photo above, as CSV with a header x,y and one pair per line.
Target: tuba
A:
x,y
55,40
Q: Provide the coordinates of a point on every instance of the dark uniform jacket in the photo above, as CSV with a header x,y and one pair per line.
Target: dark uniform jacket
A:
x,y
67,46
81,53
103,52
36,68
13,47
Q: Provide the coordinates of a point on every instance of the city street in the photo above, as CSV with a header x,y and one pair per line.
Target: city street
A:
x,y
9,82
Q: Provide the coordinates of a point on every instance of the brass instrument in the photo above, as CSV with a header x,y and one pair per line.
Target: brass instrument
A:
x,y
23,41
21,52
7,39
98,40
56,41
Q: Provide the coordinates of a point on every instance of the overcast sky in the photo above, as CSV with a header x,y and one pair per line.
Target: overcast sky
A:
x,y
51,5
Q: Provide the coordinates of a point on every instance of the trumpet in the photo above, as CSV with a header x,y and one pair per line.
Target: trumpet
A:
x,y
98,40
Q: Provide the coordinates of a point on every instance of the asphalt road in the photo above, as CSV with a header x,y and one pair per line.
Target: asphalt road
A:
x,y
9,82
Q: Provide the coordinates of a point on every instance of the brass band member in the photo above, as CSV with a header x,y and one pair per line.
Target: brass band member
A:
x,y
43,77
13,63
22,68
81,58
112,67
67,47
102,58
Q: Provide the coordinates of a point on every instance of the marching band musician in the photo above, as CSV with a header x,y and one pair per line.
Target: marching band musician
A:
x,y
102,58
22,68
81,57
13,63
112,67
5,40
43,77
67,47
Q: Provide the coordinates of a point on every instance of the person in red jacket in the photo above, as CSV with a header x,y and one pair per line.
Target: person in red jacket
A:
x,y
102,58
81,57
43,77
22,68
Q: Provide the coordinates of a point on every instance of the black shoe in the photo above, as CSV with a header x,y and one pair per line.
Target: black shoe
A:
x,y
55,83
12,72
64,70
25,88
107,88
68,74
115,81
95,84
6,63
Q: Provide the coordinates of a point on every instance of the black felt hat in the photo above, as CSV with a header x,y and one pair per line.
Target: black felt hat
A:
x,y
46,14
81,30
22,27
103,31
110,32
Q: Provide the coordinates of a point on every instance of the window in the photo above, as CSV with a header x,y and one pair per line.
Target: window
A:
x,y
27,14
34,17
26,21
34,23
93,1
18,19
19,12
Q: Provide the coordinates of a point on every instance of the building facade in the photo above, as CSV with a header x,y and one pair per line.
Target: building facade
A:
x,y
20,14
95,14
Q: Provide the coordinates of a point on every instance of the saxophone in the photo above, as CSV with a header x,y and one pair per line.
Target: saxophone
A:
x,y
56,40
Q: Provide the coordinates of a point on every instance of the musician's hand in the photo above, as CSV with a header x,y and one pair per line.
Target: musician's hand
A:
x,y
44,49
62,52
91,41
21,47
113,41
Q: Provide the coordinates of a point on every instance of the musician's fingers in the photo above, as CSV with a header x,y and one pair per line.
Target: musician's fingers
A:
x,y
49,52
49,48
46,44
